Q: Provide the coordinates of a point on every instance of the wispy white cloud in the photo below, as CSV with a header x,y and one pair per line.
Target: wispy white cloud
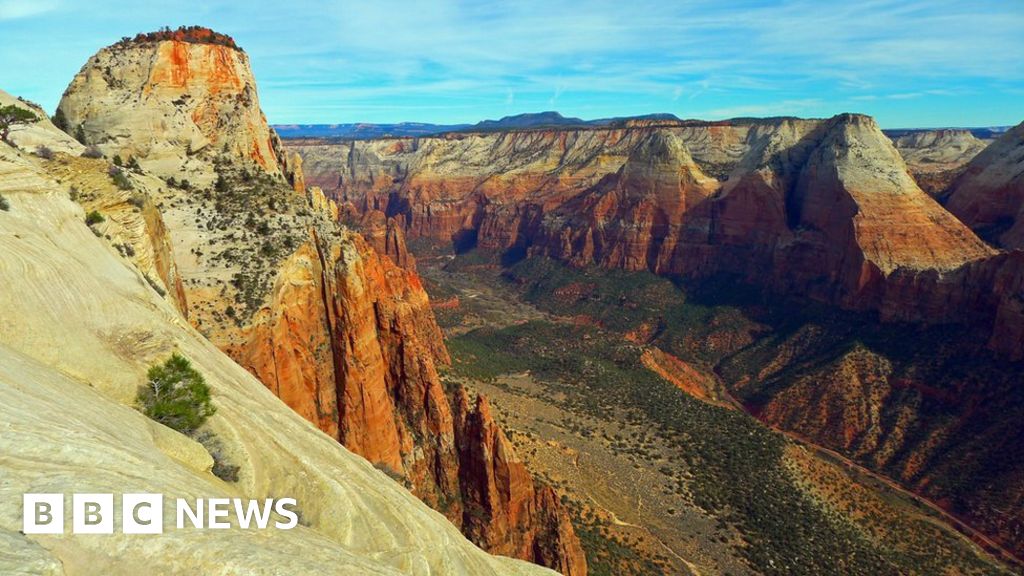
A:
x,y
326,61
17,9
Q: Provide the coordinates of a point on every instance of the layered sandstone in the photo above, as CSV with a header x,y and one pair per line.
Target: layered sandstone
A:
x,y
936,157
989,195
80,327
164,101
823,209
505,511
343,333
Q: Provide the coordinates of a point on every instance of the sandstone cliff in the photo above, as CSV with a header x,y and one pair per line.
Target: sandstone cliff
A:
x,y
822,209
164,101
342,333
989,195
81,325
936,157
504,510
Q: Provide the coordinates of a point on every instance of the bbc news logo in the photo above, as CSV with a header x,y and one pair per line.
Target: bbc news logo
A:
x,y
144,513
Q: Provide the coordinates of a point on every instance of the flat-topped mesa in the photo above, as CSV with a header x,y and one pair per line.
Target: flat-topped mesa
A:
x,y
171,100
989,195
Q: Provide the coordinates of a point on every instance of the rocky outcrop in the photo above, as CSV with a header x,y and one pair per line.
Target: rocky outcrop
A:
x,y
989,195
342,333
387,236
648,216
936,157
80,327
163,101
504,510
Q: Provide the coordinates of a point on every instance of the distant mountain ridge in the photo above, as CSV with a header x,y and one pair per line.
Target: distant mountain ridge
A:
x,y
536,120
527,121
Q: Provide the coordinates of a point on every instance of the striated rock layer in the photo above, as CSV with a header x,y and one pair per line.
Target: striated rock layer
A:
x,y
989,195
343,333
822,209
164,101
81,320
936,157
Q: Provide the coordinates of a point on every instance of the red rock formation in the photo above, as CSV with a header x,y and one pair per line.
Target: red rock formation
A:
x,y
349,341
823,209
345,335
989,195
504,511
387,236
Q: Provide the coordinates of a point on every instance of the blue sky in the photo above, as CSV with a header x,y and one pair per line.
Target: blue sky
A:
x,y
909,63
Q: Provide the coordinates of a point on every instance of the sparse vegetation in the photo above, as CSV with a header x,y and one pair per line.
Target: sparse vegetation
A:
x,y
176,395
44,152
191,34
119,177
11,116
92,151
736,470
93,218
60,120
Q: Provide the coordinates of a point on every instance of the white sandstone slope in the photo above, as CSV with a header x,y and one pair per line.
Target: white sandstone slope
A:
x,y
79,327
42,132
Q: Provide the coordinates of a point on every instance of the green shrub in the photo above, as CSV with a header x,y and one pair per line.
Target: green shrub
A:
x,y
176,395
93,218
120,178
4,204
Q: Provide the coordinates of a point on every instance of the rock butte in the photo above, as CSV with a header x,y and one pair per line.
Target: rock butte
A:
x,y
337,330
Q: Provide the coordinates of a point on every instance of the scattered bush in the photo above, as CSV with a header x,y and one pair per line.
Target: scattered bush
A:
x,y
11,116
93,218
60,120
222,467
119,177
44,152
176,395
92,151
117,160
137,200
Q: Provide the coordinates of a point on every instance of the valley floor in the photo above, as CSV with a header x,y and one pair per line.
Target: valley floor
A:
x,y
661,483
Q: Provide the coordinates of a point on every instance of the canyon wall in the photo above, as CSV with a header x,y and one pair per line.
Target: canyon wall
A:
x,y
342,333
989,194
824,209
84,314
936,157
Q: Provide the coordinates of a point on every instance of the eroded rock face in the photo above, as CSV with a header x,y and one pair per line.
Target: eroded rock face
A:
x,y
504,510
81,326
162,102
989,195
341,332
936,157
823,209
